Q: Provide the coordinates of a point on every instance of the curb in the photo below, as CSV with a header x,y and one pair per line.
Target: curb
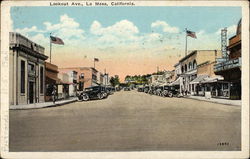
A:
x,y
46,106
212,101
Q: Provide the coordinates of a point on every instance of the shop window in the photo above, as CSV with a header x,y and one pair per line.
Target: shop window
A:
x,y
41,80
22,76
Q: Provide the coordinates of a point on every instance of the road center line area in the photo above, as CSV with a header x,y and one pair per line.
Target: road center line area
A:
x,y
128,121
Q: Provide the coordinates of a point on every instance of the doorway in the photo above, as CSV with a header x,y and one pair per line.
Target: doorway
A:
x,y
31,92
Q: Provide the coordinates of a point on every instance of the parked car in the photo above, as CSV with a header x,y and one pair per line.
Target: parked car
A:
x,y
109,90
146,89
159,90
170,91
95,92
140,89
126,89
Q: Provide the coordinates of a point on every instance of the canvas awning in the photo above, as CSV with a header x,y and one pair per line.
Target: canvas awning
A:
x,y
212,79
199,79
176,82
51,78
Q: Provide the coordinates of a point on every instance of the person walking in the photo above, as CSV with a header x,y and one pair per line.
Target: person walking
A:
x,y
54,94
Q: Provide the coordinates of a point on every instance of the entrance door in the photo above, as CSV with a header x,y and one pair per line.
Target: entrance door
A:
x,y
31,92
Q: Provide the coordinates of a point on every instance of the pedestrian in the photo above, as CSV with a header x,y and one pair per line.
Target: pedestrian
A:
x,y
54,94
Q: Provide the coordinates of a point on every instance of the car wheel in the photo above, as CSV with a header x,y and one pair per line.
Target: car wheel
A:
x,y
170,94
85,97
100,96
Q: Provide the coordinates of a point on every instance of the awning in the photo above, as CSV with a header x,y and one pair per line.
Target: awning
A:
x,y
199,79
212,79
176,82
55,79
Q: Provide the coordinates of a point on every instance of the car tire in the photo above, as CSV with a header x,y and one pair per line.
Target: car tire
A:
x,y
100,95
170,94
85,97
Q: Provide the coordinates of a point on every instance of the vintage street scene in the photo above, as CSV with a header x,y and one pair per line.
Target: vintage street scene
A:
x,y
140,78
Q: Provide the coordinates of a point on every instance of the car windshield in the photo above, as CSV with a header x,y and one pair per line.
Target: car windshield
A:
x,y
89,89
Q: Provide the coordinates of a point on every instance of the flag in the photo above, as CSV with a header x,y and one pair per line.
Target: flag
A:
x,y
96,59
191,34
56,40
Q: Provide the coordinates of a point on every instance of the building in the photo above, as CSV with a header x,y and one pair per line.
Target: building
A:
x,y
51,79
206,82
63,86
100,78
156,79
168,76
72,81
230,69
26,70
87,76
106,79
189,64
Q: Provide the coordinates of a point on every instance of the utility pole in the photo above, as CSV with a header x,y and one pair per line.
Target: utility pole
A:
x,y
50,47
186,42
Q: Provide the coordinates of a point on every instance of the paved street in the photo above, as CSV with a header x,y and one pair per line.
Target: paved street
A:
x,y
127,121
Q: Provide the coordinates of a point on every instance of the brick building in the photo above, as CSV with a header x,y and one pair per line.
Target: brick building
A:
x,y
87,76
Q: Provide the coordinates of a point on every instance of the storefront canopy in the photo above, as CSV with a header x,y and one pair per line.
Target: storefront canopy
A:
x,y
199,79
176,82
213,79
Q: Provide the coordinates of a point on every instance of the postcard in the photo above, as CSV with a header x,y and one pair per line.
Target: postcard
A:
x,y
124,79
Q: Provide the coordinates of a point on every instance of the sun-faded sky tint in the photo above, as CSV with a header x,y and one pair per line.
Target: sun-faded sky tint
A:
x,y
127,40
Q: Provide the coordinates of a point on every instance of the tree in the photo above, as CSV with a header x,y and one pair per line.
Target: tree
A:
x,y
115,81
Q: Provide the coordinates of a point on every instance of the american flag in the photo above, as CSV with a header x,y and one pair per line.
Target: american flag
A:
x,y
191,34
96,59
56,40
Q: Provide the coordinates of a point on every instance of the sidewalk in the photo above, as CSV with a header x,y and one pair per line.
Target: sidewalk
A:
x,y
217,100
43,105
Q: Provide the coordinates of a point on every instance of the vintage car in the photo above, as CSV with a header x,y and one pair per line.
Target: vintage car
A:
x,y
170,91
109,90
146,89
159,90
127,89
95,92
140,89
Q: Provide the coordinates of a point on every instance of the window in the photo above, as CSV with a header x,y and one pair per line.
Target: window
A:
x,y
82,75
194,64
190,66
31,67
41,80
22,76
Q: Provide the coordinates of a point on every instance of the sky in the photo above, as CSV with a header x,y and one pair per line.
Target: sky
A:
x,y
126,40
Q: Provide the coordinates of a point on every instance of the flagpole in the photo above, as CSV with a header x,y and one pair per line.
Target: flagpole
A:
x,y
186,42
50,48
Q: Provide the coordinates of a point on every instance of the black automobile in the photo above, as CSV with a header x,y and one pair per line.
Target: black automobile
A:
x,y
171,91
140,89
127,89
146,89
95,92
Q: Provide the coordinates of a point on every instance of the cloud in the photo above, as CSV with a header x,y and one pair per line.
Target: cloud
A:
x,y
29,30
165,27
67,29
121,32
231,30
